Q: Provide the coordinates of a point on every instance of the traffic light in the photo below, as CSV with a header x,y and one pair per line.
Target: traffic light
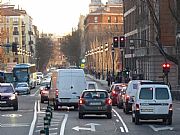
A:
x,y
115,42
122,41
166,68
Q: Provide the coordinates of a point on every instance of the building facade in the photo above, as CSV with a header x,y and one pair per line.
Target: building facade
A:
x,y
101,24
149,28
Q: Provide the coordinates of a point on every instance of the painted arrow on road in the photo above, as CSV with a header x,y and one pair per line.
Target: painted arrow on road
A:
x,y
161,128
92,128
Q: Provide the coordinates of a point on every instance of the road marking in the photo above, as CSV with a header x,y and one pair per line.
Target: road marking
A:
x,y
161,128
38,106
92,128
124,125
34,119
12,115
122,129
63,125
117,120
14,125
52,133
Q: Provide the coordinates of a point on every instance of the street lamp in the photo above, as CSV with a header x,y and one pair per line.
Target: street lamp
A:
x,y
106,50
112,51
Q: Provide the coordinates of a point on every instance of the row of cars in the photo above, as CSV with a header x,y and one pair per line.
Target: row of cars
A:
x,y
145,99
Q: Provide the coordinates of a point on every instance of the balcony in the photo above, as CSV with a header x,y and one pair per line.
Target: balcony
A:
x,y
15,32
30,32
15,22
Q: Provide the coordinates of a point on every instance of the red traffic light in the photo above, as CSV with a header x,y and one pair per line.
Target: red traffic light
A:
x,y
166,68
166,65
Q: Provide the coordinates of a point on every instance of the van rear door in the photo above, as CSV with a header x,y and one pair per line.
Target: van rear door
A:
x,y
163,100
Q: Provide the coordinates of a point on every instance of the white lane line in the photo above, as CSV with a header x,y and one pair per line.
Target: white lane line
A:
x,y
36,92
117,120
39,106
52,133
124,125
34,119
122,129
63,124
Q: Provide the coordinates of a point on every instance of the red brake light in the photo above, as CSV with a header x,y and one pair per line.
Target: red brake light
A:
x,y
57,92
108,101
44,92
127,97
137,107
81,101
170,107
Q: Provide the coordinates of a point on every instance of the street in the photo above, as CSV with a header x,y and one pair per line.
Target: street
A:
x,y
28,120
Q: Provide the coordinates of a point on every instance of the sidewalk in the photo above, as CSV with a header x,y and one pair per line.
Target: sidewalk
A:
x,y
102,82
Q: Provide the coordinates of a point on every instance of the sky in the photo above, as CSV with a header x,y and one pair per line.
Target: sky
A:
x,y
54,16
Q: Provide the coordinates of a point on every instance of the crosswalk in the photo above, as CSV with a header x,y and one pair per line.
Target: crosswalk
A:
x,y
54,126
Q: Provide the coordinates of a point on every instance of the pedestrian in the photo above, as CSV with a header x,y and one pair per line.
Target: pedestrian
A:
x,y
109,78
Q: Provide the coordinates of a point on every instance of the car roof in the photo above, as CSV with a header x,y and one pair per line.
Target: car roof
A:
x,y
5,84
91,82
154,85
91,90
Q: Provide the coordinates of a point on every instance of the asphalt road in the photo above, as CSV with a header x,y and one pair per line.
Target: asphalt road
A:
x,y
29,120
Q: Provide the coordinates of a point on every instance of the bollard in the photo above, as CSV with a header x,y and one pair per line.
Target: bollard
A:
x,y
42,132
50,109
48,115
46,126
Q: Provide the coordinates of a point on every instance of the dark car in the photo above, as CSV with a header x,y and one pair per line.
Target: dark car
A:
x,y
8,96
115,90
44,90
22,88
95,101
120,97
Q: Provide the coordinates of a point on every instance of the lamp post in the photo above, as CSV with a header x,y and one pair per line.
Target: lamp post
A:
x,y
112,51
23,53
131,48
106,50
102,62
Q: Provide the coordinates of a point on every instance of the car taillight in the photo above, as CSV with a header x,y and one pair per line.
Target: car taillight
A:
x,y
108,101
127,97
81,101
170,107
137,107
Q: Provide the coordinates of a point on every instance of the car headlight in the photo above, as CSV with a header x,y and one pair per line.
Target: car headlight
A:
x,y
12,97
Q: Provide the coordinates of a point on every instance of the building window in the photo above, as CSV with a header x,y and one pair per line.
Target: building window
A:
x,y
116,19
95,19
16,40
109,19
95,27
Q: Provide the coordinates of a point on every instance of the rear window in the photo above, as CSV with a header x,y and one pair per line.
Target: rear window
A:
x,y
91,86
95,95
146,93
161,93
6,89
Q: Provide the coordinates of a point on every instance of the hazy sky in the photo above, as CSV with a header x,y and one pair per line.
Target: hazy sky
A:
x,y
56,16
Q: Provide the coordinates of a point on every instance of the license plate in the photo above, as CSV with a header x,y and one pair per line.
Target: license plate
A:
x,y
64,100
95,103
2,102
146,110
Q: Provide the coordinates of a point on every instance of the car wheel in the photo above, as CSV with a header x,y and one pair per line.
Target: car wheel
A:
x,y
80,115
133,118
15,107
126,110
169,121
42,101
118,105
136,120
109,115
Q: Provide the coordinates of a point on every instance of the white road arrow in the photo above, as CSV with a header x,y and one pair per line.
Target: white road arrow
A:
x,y
161,128
92,128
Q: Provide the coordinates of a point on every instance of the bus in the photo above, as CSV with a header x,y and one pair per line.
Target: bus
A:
x,y
25,72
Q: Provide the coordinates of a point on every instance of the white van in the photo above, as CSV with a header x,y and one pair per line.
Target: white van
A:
x,y
69,85
131,90
152,101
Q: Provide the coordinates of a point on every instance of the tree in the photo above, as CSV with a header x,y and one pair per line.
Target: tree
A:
x,y
43,54
71,48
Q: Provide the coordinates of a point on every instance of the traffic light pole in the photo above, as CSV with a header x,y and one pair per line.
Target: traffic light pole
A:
x,y
112,64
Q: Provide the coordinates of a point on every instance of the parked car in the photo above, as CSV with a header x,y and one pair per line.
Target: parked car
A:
x,y
120,97
44,84
95,101
22,88
115,90
152,101
8,96
131,90
91,85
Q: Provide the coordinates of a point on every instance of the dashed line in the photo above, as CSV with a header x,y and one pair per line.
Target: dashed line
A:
x,y
122,129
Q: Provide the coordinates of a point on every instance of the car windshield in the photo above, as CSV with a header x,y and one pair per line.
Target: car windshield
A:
x,y
45,83
95,95
22,85
161,93
6,89
146,93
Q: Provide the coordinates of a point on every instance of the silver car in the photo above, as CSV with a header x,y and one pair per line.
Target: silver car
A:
x,y
22,88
